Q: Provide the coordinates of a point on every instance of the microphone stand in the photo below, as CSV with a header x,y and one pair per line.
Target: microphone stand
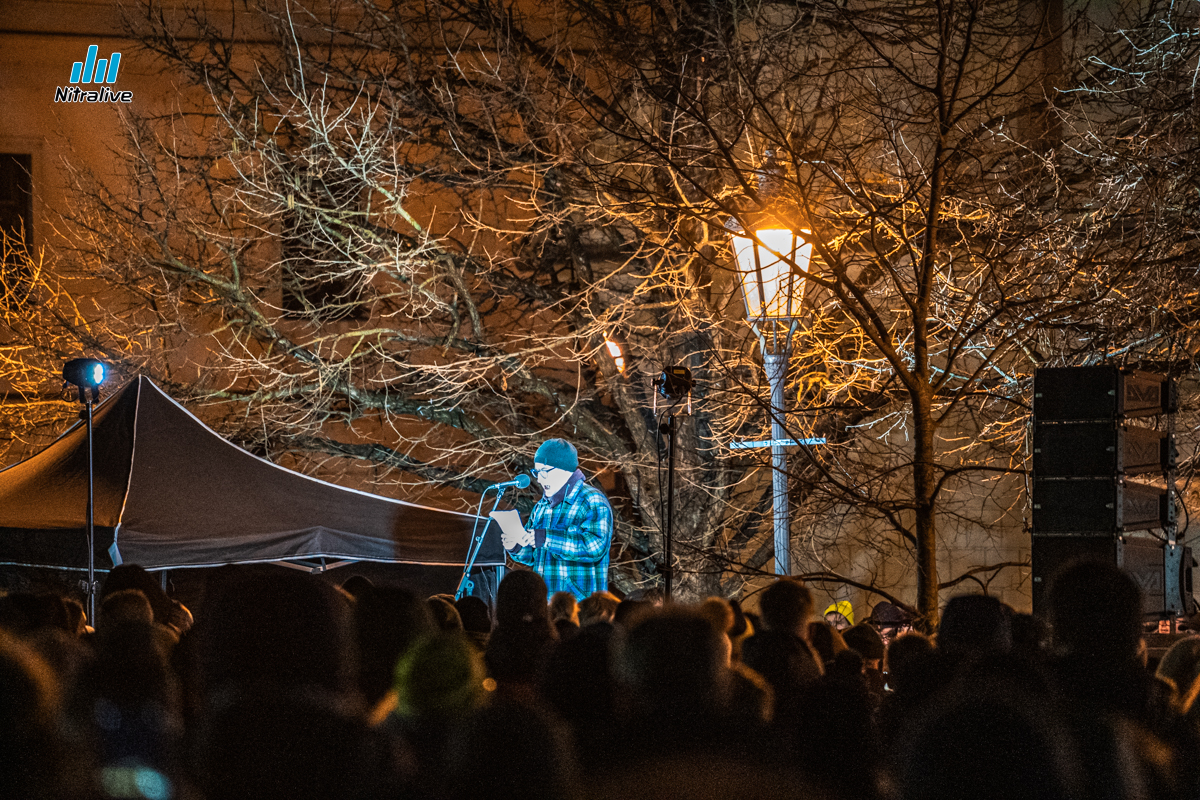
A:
x,y
466,585
667,567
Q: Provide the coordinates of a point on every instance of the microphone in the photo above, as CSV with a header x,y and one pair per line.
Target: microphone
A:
x,y
521,481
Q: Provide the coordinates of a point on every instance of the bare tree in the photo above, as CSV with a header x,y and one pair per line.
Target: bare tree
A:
x,y
412,237
1135,140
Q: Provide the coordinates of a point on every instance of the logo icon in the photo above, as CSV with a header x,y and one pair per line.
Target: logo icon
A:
x,y
87,69
94,71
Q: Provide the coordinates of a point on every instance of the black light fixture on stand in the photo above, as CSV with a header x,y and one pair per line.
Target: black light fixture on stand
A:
x,y
675,384
87,374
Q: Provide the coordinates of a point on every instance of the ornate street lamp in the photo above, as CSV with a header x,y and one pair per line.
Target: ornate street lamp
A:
x,y
772,257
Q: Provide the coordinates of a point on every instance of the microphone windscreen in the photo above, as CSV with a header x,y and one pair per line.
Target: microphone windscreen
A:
x,y
522,481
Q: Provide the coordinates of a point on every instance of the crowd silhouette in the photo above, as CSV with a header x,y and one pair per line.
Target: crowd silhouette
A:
x,y
286,686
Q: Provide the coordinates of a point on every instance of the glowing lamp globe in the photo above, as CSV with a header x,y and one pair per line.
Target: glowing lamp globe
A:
x,y
768,268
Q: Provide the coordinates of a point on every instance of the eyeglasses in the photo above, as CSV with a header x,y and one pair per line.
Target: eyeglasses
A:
x,y
538,472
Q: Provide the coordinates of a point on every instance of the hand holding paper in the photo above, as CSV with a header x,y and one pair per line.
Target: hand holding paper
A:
x,y
512,532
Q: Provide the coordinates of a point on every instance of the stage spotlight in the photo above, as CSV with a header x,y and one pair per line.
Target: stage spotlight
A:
x,y
86,373
675,383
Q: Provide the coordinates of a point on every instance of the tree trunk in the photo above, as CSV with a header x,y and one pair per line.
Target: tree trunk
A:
x,y
926,512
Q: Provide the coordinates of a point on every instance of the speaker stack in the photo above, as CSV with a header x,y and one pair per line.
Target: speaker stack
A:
x,y
1099,435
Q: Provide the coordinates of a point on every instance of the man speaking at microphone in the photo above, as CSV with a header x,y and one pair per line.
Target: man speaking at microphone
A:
x,y
568,534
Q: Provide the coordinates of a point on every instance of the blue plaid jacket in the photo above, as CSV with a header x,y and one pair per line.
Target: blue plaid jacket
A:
x,y
572,531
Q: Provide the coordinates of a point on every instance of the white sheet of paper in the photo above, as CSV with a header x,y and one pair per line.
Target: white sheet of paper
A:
x,y
510,522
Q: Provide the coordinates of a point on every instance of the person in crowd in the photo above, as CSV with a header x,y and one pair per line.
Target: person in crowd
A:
x,y
751,700
1180,666
567,537
77,621
564,613
840,615
124,606
654,595
281,743
720,615
989,742
278,711
890,620
25,613
131,607
598,607
167,611
387,621
128,696
565,606
629,612
835,743
445,615
439,684
868,643
476,620
1095,612
518,751
742,630
826,640
671,670
578,685
683,732
524,638
357,585
38,761
913,673
269,625
1099,671
974,626
780,652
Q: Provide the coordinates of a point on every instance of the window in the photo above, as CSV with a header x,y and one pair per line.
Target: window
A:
x,y
16,195
16,220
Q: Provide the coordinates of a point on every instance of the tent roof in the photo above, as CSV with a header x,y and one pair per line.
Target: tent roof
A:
x,y
173,493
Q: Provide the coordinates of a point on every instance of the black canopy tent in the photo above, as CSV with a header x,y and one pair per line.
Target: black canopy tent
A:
x,y
170,492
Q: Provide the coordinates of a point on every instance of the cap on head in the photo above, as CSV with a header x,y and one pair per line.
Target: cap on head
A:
x,y
558,453
842,607
887,614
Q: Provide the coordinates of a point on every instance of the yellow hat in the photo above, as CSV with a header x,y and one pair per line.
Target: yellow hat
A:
x,y
844,608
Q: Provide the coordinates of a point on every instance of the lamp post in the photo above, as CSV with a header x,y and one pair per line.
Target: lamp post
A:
x,y
771,257
88,374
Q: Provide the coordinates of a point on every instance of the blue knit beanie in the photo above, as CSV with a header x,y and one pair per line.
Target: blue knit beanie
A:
x,y
558,453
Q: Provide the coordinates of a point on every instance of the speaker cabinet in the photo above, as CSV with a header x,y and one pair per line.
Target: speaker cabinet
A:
x,y
1098,505
1085,449
1101,392
1143,558
1052,553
